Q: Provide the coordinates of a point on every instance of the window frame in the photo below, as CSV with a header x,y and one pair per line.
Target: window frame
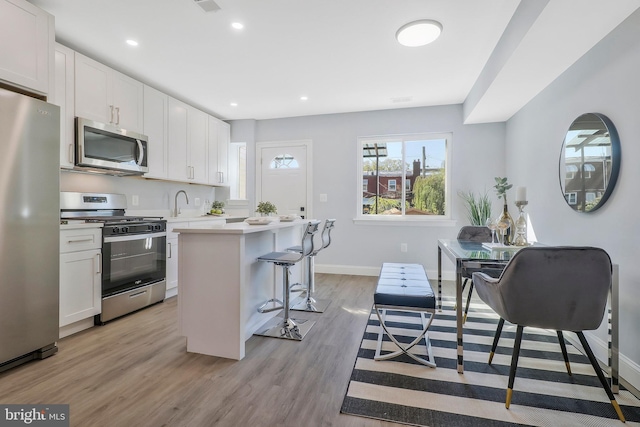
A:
x,y
429,220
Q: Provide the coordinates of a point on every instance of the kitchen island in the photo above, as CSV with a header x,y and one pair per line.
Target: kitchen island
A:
x,y
222,284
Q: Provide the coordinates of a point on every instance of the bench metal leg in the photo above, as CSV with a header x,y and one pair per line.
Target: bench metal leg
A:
x,y
404,348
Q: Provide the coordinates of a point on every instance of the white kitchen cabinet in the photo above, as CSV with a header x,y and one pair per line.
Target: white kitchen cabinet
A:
x,y
63,97
172,248
107,96
80,278
26,46
187,145
155,125
218,146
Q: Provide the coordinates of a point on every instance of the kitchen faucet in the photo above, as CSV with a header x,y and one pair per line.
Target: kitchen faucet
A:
x,y
175,202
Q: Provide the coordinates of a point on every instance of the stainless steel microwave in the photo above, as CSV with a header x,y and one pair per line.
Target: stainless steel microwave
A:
x,y
109,148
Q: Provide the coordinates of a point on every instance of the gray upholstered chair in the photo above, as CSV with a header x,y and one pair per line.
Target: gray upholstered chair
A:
x,y
481,234
558,288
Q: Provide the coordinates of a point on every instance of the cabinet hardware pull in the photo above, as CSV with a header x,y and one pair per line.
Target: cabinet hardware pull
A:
x,y
170,250
99,263
117,115
70,153
111,114
87,239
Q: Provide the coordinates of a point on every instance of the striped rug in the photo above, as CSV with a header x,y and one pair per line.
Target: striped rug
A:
x,y
403,391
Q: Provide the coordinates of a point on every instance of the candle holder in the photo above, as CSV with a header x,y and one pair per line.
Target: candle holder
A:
x,y
521,225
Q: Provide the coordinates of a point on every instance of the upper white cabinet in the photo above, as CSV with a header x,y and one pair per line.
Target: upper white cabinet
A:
x,y
107,96
187,144
26,45
219,136
155,128
63,97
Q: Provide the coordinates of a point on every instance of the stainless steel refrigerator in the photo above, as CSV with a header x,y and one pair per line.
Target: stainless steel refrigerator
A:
x,y
29,228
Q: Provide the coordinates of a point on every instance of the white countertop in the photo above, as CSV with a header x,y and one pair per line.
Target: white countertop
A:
x,y
239,227
75,224
201,218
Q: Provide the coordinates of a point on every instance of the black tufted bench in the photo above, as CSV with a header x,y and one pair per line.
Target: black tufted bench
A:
x,y
404,287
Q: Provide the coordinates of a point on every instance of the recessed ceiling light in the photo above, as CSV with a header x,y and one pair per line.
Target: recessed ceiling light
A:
x,y
237,25
304,98
132,42
419,33
234,104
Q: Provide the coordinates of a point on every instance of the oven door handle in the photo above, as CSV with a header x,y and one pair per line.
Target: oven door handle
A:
x,y
130,237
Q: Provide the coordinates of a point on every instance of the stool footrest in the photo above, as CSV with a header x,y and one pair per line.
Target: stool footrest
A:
x,y
277,305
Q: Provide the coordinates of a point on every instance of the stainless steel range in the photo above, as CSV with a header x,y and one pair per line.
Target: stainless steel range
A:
x,y
133,251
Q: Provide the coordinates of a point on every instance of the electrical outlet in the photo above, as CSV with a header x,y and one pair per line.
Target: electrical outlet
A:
x,y
197,201
135,200
323,197
403,247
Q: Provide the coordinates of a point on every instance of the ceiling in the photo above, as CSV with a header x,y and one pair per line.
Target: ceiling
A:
x,y
493,55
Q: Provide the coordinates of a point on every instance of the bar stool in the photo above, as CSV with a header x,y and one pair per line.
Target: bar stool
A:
x,y
286,327
310,303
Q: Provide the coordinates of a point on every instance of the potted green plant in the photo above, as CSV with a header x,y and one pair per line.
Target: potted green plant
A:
x,y
478,207
266,208
217,207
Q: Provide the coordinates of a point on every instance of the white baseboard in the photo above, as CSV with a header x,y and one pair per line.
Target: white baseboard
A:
x,y
171,293
76,327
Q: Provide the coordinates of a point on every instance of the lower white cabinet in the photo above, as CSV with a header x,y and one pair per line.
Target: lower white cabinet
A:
x,y
172,248
80,277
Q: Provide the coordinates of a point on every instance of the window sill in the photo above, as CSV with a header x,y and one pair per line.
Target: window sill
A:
x,y
395,221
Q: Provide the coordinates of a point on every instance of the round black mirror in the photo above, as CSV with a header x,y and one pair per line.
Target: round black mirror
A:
x,y
589,162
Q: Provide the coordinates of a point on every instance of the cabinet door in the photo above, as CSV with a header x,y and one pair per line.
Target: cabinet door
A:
x,y
213,177
172,263
26,45
224,137
127,102
155,127
177,143
198,145
63,97
92,90
80,293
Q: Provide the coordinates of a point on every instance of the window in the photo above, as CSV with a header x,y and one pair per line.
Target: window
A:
x,y
403,176
238,171
588,168
284,161
572,198
571,171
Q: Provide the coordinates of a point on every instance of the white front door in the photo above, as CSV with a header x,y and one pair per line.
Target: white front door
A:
x,y
283,176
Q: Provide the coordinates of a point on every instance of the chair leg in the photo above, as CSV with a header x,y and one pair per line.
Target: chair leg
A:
x,y
309,303
496,338
466,309
514,364
464,285
600,375
563,346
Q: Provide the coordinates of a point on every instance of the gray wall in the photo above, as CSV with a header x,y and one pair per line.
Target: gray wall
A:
x,y
477,158
605,81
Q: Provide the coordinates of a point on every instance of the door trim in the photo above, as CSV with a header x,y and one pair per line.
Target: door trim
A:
x,y
283,144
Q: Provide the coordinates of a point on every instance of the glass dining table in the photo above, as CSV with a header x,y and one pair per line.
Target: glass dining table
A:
x,y
476,255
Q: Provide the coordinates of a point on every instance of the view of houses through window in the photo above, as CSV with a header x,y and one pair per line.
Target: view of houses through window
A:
x,y
404,175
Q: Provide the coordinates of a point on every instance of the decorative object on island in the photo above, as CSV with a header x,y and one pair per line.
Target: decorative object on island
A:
x,y
478,207
521,222
266,208
217,207
505,222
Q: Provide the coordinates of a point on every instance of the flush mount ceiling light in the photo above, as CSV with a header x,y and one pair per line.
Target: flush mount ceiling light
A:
x,y
131,42
419,33
304,98
237,25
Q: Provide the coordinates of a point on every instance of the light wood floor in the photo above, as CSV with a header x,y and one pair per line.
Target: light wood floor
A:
x,y
135,371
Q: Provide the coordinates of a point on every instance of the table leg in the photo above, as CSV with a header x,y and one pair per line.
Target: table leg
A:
x,y
459,316
439,279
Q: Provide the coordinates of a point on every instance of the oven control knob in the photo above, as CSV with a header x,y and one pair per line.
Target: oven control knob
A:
x,y
115,230
125,229
150,227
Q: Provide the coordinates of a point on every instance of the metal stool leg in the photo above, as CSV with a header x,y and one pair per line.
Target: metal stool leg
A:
x,y
310,303
286,327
